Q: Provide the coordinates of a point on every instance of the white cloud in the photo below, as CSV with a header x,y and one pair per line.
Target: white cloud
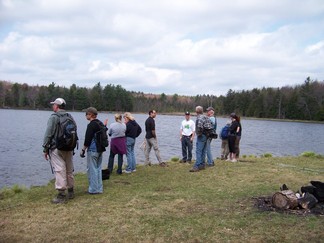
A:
x,y
185,47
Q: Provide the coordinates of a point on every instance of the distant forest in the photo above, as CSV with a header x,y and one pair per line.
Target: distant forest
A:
x,y
301,102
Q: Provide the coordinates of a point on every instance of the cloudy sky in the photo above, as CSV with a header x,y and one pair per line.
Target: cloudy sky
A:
x,y
184,47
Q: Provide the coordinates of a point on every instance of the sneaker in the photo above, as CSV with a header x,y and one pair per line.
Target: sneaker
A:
x,y
233,160
134,170
189,161
127,171
228,160
163,164
148,163
211,165
70,193
183,161
60,198
194,169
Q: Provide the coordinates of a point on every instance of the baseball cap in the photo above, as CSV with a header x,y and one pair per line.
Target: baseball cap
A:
x,y
58,101
210,109
232,114
187,113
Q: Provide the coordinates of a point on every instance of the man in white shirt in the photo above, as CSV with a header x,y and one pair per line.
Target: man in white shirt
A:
x,y
187,134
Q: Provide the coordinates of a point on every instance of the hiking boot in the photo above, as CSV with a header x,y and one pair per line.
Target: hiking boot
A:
x,y
163,164
70,193
194,169
201,167
60,198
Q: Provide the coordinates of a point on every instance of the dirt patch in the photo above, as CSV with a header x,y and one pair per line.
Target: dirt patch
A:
x,y
264,203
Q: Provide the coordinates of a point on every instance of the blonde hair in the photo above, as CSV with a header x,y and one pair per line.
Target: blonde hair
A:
x,y
118,117
129,116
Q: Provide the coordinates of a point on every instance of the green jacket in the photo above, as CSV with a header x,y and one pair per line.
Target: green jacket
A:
x,y
51,130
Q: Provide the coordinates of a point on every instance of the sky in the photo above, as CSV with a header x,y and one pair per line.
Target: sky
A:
x,y
184,47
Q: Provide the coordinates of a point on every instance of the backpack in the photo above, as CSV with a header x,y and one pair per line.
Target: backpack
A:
x,y
209,130
225,132
66,136
101,137
139,130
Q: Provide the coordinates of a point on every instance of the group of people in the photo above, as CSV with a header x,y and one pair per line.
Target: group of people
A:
x,y
189,129
123,134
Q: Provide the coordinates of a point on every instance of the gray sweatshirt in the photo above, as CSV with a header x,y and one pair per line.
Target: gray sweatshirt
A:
x,y
117,130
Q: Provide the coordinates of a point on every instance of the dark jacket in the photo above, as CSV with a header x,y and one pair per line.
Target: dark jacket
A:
x,y
92,128
133,130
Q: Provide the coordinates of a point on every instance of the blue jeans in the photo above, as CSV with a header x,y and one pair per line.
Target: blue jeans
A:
x,y
201,145
131,161
111,162
186,145
94,161
210,160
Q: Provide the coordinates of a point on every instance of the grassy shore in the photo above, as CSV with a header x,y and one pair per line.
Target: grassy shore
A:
x,y
169,204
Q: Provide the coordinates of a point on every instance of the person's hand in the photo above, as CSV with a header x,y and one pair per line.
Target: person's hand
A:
x,y
82,154
46,156
106,122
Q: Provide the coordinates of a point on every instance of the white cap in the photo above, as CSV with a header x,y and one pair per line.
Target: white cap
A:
x,y
58,101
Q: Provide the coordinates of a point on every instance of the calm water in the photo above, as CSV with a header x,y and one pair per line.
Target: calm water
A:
x,y
22,162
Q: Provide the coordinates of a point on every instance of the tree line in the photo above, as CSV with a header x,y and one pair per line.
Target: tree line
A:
x,y
300,102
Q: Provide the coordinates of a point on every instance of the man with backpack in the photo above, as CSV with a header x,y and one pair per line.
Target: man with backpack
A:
x,y
203,126
95,143
59,142
224,136
211,116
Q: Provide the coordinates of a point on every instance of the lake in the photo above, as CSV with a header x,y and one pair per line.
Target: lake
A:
x,y
22,131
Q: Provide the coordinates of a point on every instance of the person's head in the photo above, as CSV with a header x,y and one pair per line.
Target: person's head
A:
x,y
59,103
187,115
152,113
118,117
128,117
199,110
210,111
233,116
91,113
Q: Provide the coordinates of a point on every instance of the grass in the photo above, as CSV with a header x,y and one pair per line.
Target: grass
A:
x,y
169,204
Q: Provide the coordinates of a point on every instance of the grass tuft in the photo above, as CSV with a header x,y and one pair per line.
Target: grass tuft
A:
x,y
308,154
267,155
175,159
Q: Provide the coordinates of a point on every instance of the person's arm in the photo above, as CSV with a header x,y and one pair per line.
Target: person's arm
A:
x,y
50,131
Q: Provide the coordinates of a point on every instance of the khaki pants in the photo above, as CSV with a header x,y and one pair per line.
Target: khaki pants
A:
x,y
62,164
224,149
152,142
